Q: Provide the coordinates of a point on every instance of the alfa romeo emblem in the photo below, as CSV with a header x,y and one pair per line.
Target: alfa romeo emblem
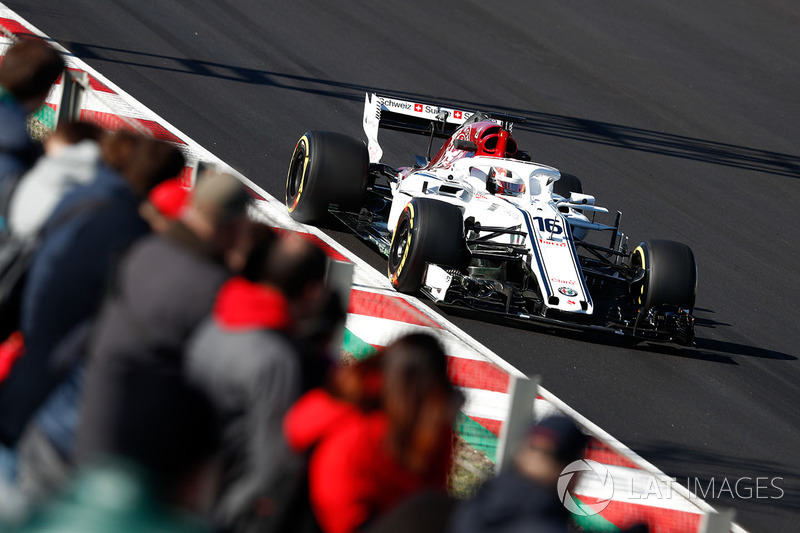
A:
x,y
568,291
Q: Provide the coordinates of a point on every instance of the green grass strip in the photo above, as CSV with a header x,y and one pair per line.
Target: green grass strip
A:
x,y
356,347
594,523
477,436
47,116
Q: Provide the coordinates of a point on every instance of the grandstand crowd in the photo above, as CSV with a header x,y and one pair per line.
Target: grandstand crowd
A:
x,y
166,362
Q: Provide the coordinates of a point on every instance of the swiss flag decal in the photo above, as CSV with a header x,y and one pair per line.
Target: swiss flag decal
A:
x,y
418,108
456,114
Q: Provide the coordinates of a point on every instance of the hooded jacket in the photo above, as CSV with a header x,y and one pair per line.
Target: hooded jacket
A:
x,y
51,178
353,477
245,362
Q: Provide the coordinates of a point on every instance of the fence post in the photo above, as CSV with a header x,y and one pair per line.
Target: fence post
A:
x,y
717,522
520,414
199,168
72,87
339,280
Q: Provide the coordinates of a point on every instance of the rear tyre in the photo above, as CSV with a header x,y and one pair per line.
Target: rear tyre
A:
x,y
566,184
428,231
326,168
670,274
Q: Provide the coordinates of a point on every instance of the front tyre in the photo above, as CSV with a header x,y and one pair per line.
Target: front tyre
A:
x,y
428,231
326,168
669,275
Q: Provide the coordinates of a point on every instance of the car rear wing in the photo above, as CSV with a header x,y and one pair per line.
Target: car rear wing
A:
x,y
416,117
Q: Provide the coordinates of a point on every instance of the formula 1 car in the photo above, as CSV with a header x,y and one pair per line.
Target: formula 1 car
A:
x,y
479,226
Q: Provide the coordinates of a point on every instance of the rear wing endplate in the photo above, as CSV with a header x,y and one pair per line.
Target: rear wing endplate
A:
x,y
410,117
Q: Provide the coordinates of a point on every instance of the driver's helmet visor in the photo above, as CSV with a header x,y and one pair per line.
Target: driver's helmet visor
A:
x,y
506,183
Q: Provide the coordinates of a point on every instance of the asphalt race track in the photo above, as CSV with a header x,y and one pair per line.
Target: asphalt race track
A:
x,y
682,115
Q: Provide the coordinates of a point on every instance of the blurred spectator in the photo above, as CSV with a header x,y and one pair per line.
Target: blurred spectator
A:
x,y
161,484
36,198
72,157
27,72
247,346
89,228
317,312
165,286
165,204
524,496
118,147
66,283
365,460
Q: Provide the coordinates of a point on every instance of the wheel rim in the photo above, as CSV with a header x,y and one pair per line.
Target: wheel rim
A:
x,y
399,245
294,182
640,289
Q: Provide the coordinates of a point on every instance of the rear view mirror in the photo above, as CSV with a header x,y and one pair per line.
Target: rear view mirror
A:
x,y
579,198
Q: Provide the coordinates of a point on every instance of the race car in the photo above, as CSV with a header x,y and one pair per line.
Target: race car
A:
x,y
479,226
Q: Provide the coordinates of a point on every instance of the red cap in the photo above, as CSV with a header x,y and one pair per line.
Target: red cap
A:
x,y
170,197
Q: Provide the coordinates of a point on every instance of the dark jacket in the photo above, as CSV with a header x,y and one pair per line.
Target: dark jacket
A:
x,y
511,503
65,286
17,151
243,359
165,286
